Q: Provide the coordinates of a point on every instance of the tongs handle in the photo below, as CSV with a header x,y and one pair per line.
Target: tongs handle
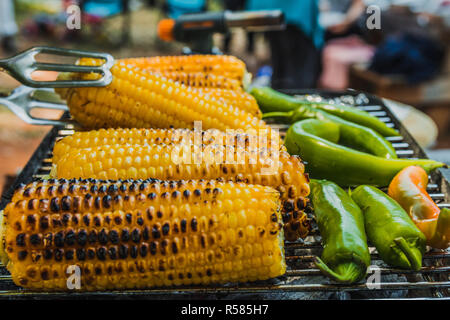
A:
x,y
22,65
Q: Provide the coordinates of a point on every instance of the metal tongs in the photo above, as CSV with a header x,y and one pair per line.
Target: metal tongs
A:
x,y
24,99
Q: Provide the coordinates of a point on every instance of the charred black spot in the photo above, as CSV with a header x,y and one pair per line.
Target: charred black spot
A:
x,y
125,235
128,217
197,192
82,237
274,217
194,224
114,236
35,239
133,252
112,251
92,238
66,203
288,206
93,189
165,229
91,253
186,193
54,205
59,253
31,219
159,214
69,254
59,239
102,189
156,234
153,247
86,220
123,251
22,255
136,235
107,201
103,237
183,225
20,239
101,253
97,221
140,221
48,254
81,254
143,250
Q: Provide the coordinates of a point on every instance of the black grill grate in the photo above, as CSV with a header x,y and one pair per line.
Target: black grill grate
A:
x,y
302,279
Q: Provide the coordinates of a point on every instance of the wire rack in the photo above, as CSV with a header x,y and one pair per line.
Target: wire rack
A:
x,y
302,279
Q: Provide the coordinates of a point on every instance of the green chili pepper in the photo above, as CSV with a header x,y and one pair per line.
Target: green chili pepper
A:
x,y
270,100
345,255
352,134
389,228
317,142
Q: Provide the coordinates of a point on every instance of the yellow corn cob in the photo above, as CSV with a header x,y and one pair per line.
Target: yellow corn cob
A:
x,y
142,234
157,161
227,66
240,99
103,137
137,99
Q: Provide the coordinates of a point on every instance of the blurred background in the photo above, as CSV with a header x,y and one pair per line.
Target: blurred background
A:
x,y
398,50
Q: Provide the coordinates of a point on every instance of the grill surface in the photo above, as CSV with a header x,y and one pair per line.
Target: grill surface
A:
x,y
302,279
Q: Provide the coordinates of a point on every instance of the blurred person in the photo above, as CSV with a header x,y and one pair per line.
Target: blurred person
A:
x,y
296,50
347,15
8,26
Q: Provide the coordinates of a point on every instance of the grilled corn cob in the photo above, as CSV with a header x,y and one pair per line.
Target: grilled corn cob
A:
x,y
227,66
173,162
103,137
137,99
136,234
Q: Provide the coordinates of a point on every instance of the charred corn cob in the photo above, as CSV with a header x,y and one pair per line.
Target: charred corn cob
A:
x,y
103,137
137,99
240,99
174,161
227,66
136,234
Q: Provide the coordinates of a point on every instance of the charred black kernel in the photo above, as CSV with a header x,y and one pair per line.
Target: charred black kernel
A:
x,y
31,219
59,253
112,252
176,194
164,245
156,234
75,219
93,189
54,204
22,255
97,221
151,196
209,272
48,254
128,217
61,188
203,240
170,276
197,192
91,253
81,254
66,203
86,220
125,235
123,188
107,201
288,206
194,224
287,217
146,233
101,253
123,251
240,233
27,192
32,204
174,247
59,239
20,239
117,220
45,275
92,238
98,271
114,237
143,250
208,190
189,275
183,225
35,239
153,248
69,254
149,212
261,232
180,276
65,219
136,235
48,239
132,187
186,193
274,217
103,237
159,214
140,221
165,229
102,189
97,202
82,237
72,188
142,186
51,190
133,252
165,195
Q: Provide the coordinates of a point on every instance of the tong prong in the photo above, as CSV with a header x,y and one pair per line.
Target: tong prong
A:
x,y
24,64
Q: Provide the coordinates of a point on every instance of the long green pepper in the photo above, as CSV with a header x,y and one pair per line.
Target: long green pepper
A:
x,y
345,255
352,134
389,228
318,143
270,100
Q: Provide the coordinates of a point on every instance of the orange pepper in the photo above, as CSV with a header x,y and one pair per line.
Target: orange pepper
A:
x,y
408,188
